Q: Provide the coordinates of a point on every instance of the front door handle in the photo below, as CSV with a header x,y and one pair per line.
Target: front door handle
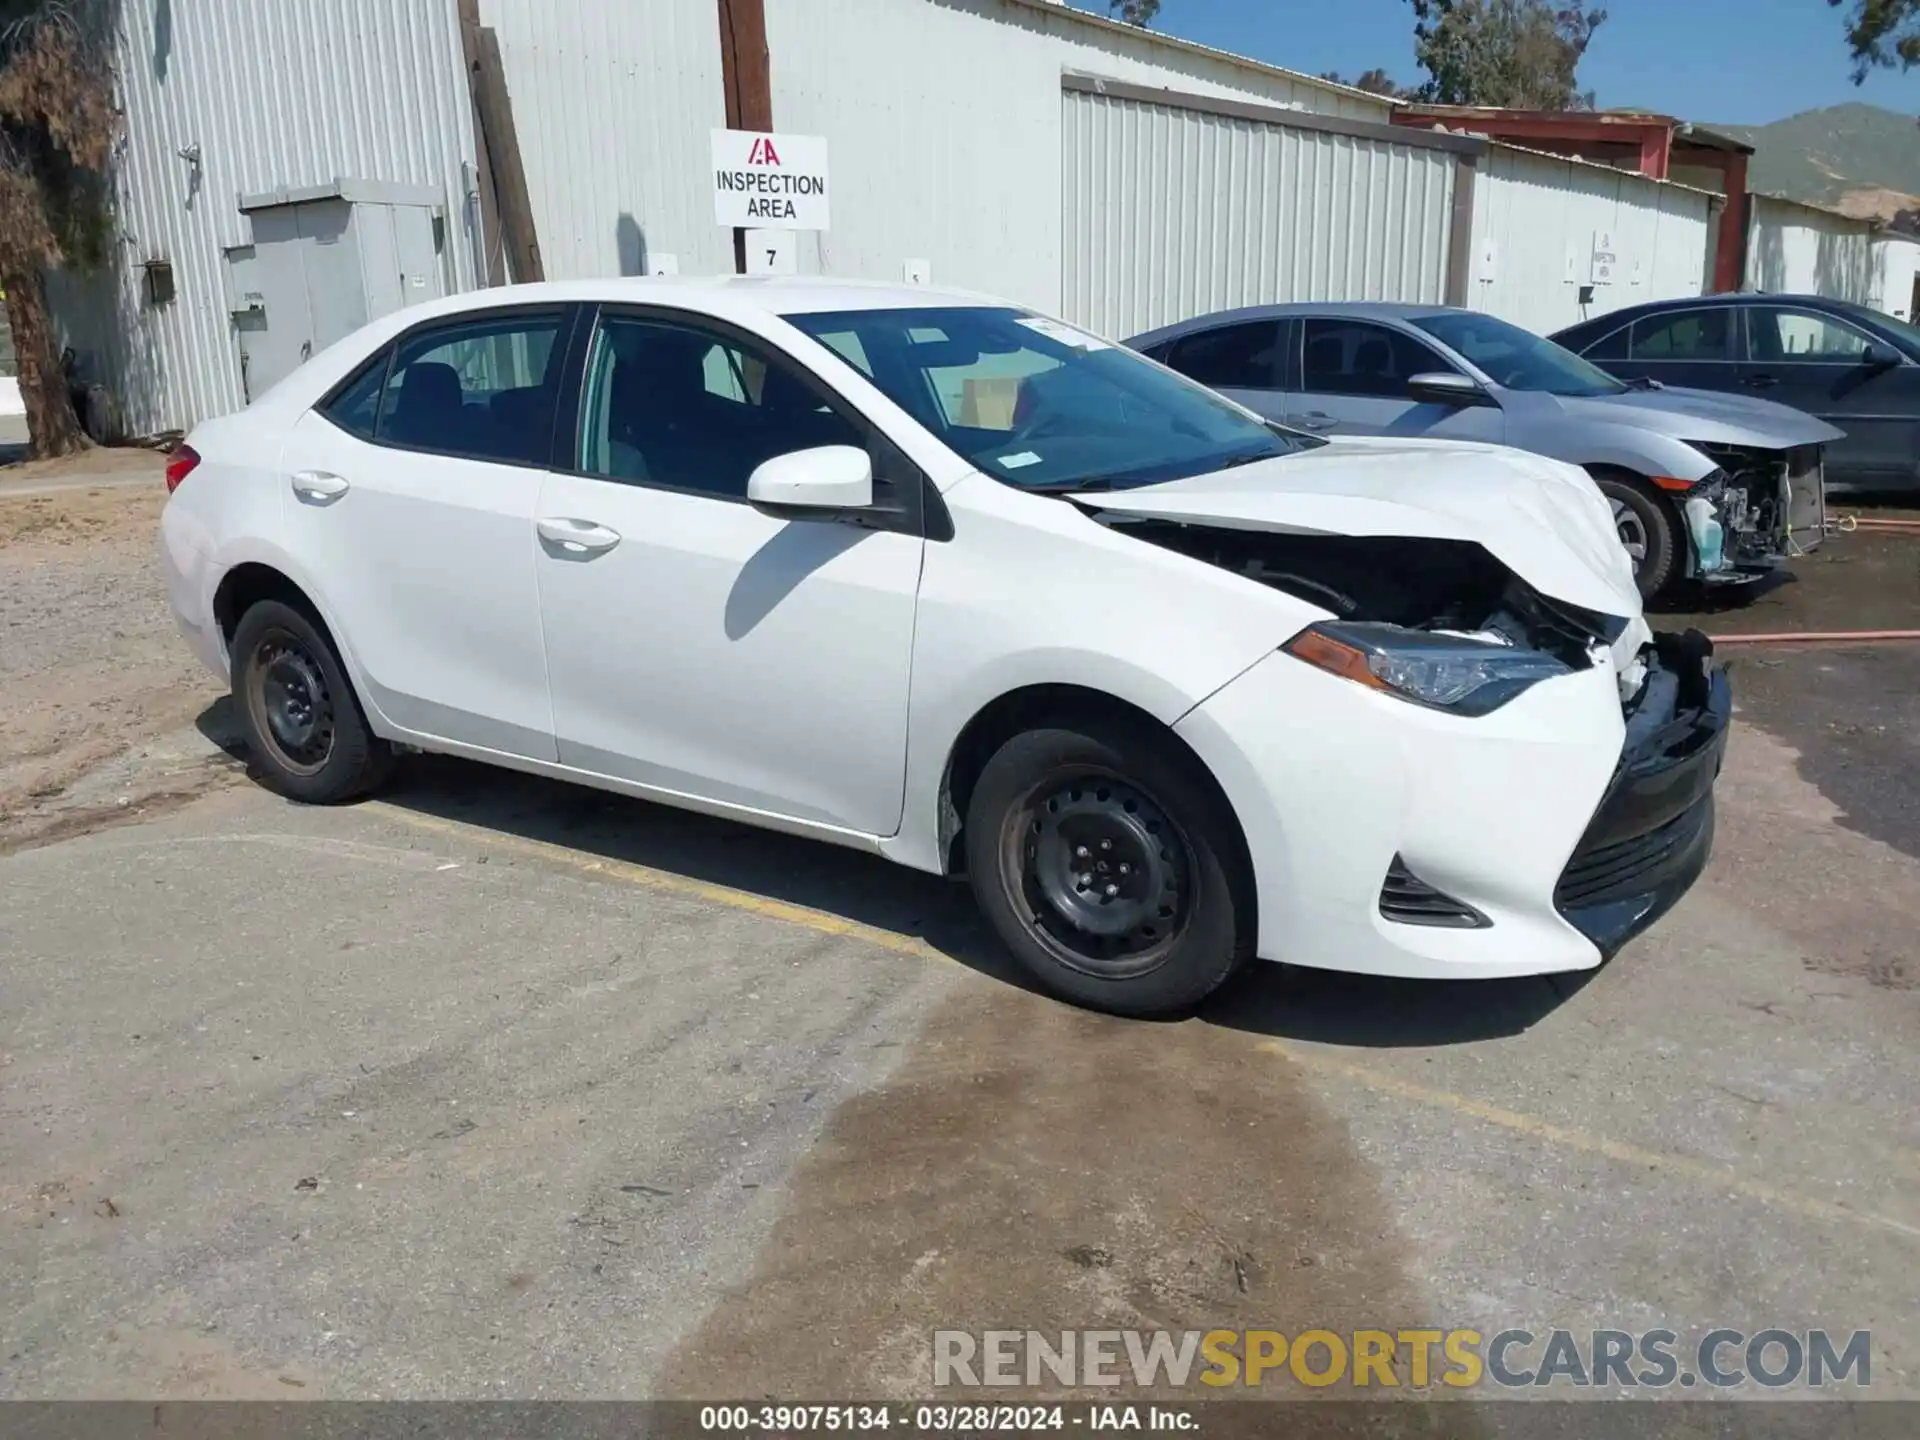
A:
x,y
319,486
577,537
1314,420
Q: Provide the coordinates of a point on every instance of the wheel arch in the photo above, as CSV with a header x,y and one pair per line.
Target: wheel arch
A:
x,y
253,577
251,581
1661,499
1030,707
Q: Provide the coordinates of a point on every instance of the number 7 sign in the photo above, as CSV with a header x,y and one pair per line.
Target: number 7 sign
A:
x,y
773,252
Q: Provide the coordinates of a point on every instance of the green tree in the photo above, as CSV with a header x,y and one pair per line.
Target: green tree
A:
x,y
1882,33
57,127
1518,53
1374,82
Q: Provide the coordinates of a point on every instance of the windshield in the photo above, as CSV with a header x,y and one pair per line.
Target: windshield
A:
x,y
1518,359
1041,405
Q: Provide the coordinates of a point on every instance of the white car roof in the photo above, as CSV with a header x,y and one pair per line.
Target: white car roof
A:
x,y
726,294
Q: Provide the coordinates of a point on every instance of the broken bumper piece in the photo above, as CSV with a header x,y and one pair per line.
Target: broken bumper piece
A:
x,y
1650,839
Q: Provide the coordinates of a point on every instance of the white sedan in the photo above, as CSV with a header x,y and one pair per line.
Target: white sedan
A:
x,y
928,575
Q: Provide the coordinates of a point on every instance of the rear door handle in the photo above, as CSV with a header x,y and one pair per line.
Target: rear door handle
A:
x,y
319,486
1761,382
577,537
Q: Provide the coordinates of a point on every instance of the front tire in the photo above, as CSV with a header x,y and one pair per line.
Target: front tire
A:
x,y
1647,530
1107,862
303,723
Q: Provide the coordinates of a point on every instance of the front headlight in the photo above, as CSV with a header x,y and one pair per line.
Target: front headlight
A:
x,y
1447,672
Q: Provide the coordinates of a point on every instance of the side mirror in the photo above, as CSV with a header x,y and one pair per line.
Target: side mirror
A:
x,y
822,482
1441,387
1879,357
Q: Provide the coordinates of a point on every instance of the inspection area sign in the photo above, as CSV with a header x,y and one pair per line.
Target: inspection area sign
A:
x,y
769,182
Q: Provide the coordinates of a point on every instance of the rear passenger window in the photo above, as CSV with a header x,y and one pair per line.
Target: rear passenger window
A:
x,y
355,406
1231,357
483,389
668,404
1689,335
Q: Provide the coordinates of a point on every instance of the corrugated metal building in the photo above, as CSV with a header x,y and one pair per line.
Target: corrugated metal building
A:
x,y
1179,204
279,152
245,97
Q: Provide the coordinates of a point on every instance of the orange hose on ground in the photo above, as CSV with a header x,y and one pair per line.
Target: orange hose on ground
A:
x,y
1818,637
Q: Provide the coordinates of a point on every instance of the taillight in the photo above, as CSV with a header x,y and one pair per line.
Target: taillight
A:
x,y
180,464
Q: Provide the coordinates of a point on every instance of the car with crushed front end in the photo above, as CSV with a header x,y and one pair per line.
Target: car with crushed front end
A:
x,y
1854,367
935,577
1716,488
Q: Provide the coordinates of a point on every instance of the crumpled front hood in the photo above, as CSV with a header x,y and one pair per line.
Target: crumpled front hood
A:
x,y
1543,519
1706,415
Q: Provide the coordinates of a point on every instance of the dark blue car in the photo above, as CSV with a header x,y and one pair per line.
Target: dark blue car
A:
x,y
1855,368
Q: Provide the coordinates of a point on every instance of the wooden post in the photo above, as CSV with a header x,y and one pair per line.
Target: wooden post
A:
x,y
746,76
499,145
492,271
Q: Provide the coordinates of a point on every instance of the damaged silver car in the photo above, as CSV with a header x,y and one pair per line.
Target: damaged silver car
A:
x,y
1708,487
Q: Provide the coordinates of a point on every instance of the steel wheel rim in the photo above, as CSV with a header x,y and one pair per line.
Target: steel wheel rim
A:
x,y
290,702
1632,532
1062,858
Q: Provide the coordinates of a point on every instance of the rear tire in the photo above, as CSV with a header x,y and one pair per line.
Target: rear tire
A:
x,y
1107,862
1647,529
303,723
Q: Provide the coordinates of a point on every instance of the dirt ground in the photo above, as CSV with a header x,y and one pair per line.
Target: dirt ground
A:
x,y
91,667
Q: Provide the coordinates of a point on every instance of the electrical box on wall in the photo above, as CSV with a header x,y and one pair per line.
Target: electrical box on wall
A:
x,y
160,287
323,261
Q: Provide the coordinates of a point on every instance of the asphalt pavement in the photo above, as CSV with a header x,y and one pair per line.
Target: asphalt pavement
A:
x,y
494,1087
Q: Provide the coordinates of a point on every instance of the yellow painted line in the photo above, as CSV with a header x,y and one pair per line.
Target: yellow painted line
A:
x,y
666,882
1566,1137
1532,1126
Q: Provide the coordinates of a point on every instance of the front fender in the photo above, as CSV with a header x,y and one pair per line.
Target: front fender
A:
x,y
1625,447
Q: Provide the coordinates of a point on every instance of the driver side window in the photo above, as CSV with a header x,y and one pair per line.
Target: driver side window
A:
x,y
1780,336
1344,357
681,407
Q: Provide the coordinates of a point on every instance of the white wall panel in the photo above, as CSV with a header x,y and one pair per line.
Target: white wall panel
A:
x,y
1174,212
1896,273
1795,249
943,121
614,101
1535,218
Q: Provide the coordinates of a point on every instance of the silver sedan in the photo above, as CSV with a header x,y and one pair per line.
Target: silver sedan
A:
x,y
1704,486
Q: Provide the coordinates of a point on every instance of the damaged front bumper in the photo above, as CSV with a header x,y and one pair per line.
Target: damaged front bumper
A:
x,y
1393,839
1758,509
1651,836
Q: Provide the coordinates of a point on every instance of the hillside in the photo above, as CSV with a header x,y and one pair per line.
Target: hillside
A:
x,y
1856,158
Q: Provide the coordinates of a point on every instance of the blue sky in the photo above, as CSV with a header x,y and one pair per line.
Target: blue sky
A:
x,y
1736,61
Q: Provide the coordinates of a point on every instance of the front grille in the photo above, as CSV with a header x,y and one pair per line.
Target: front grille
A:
x,y
1622,870
1407,898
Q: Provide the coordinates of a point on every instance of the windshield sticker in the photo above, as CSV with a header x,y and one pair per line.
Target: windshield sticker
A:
x,y
1065,334
1020,461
